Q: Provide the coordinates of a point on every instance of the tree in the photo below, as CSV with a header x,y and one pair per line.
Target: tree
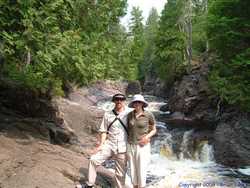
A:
x,y
192,21
48,43
136,29
170,42
150,33
199,21
228,33
187,19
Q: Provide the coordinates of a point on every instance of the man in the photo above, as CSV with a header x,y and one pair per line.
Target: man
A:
x,y
113,141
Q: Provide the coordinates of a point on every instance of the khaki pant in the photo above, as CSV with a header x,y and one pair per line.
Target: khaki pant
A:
x,y
101,156
139,158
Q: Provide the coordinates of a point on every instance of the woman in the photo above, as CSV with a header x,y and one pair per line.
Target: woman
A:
x,y
141,127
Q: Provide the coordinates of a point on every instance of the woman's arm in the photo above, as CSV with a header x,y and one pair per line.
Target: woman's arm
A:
x,y
152,131
146,138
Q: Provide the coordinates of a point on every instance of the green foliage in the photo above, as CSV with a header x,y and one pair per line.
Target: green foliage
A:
x,y
146,67
48,43
228,31
45,44
199,22
199,39
136,25
170,42
137,44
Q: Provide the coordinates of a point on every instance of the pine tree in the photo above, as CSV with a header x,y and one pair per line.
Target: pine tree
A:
x,y
150,33
48,43
136,29
170,43
228,32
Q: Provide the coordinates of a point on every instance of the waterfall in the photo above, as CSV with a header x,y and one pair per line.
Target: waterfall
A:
x,y
207,153
185,152
180,160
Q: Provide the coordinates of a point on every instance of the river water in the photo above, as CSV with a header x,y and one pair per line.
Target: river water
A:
x,y
176,163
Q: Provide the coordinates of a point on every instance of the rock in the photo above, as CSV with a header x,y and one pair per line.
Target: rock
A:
x,y
232,146
194,105
164,108
97,91
190,96
45,142
36,163
134,87
153,85
180,120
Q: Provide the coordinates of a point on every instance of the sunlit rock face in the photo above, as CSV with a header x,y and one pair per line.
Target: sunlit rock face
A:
x,y
44,141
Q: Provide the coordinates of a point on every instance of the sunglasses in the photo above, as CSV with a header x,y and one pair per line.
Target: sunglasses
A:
x,y
119,99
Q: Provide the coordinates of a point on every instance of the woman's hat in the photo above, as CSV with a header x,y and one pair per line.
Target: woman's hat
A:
x,y
118,96
140,98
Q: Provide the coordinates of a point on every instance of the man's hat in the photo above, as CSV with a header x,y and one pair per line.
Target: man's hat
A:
x,y
118,96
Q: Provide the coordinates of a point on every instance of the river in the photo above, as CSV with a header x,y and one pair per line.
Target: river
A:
x,y
176,163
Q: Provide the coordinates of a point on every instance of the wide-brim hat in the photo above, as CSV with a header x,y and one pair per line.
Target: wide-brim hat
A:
x,y
118,96
139,98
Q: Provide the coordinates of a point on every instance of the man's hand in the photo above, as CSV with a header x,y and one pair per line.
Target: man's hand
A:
x,y
96,149
99,143
144,140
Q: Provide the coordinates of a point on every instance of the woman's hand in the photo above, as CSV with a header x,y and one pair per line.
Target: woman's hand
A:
x,y
144,140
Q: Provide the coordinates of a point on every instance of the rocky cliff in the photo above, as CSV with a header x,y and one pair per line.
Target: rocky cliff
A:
x,y
44,141
193,104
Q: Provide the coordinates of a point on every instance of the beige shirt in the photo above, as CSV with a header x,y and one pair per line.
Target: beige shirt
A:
x,y
117,135
137,127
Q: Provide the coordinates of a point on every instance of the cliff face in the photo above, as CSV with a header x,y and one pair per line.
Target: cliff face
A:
x,y
232,146
35,142
192,97
29,108
45,142
193,104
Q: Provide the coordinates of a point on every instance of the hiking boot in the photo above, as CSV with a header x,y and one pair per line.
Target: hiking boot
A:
x,y
84,186
78,186
87,186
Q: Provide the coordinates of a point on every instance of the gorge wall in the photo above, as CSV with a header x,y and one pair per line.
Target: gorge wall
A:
x,y
194,105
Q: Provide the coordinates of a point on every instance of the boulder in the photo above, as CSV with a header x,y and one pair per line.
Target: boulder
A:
x,y
232,146
134,87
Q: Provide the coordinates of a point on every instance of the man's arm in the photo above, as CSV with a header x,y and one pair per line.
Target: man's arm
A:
x,y
100,142
103,137
102,134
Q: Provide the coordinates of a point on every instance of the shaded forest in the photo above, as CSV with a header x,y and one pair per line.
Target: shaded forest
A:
x,y
45,45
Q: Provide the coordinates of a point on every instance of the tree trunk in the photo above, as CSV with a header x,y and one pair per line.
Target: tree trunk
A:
x,y
28,59
189,35
206,9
